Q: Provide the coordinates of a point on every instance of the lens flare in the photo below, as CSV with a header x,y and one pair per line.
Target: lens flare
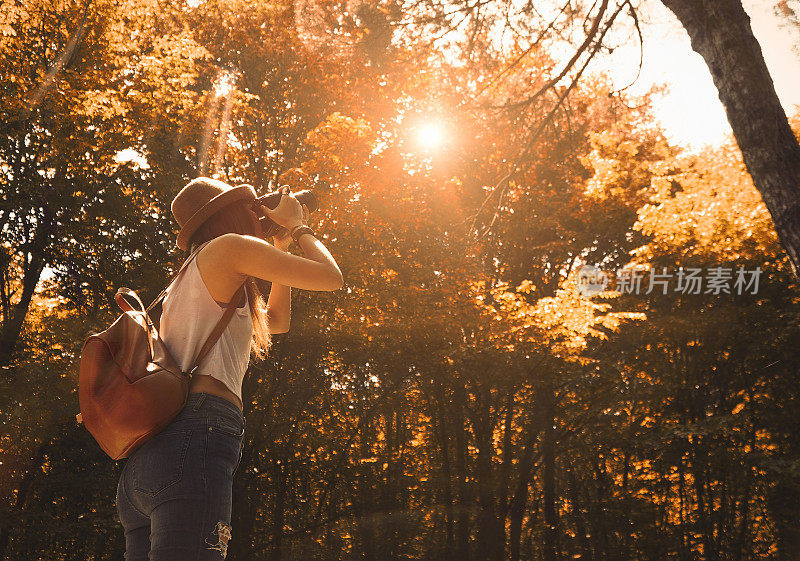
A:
x,y
225,84
430,135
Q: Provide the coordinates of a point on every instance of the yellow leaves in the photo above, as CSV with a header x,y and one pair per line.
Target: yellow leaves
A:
x,y
341,144
614,159
171,69
613,321
764,441
10,14
706,204
526,287
104,104
563,322
604,175
336,129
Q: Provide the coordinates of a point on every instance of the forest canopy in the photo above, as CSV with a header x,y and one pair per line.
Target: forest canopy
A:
x,y
460,397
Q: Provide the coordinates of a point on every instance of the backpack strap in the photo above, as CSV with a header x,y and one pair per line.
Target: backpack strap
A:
x,y
218,329
176,275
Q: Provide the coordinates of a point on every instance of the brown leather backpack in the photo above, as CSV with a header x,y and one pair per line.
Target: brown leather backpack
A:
x,y
129,385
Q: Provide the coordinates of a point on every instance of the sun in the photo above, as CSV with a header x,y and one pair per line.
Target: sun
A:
x,y
430,135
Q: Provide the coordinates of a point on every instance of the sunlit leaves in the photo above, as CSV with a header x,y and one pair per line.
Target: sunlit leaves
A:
x,y
561,323
340,144
706,205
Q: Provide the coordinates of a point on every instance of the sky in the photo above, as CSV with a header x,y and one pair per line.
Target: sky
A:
x,y
691,112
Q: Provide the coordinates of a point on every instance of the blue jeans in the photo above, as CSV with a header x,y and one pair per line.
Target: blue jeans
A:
x,y
174,495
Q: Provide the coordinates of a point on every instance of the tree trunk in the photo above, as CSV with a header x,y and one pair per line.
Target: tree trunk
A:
x,y
518,503
705,502
505,475
551,548
278,513
440,424
720,32
489,540
464,495
580,523
782,501
12,328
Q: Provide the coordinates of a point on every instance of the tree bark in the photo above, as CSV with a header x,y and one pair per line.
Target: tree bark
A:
x,y
505,475
720,32
489,542
464,495
443,434
580,523
278,513
518,503
12,328
551,547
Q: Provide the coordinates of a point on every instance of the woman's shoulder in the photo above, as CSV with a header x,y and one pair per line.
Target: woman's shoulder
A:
x,y
221,247
215,265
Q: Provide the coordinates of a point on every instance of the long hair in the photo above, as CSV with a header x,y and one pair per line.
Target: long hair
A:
x,y
236,218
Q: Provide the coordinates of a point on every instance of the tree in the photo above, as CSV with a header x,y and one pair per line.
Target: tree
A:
x,y
720,32
71,94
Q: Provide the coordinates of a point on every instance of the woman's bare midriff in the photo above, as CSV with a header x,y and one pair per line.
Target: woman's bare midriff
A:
x,y
209,384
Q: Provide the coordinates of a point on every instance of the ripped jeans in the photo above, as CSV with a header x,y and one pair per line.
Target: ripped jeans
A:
x,y
174,496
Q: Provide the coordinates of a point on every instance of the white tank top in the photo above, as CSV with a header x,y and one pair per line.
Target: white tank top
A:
x,y
189,314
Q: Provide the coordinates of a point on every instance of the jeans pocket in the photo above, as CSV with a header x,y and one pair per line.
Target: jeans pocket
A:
x,y
227,440
228,426
159,463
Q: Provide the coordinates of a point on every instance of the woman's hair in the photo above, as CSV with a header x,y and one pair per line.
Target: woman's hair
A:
x,y
237,219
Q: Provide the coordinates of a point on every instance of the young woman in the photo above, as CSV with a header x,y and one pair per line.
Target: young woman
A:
x,y
174,493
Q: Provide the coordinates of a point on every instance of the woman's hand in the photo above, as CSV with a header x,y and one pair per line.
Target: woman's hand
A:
x,y
283,238
289,212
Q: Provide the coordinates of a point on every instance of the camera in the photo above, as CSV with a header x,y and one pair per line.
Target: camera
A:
x,y
271,200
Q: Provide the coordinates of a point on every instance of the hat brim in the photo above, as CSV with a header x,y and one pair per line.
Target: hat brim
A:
x,y
238,193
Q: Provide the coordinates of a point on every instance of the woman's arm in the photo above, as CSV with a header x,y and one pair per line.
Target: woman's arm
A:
x,y
279,304
316,271
255,257
279,308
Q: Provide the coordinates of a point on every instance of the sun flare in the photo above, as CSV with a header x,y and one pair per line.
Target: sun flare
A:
x,y
430,135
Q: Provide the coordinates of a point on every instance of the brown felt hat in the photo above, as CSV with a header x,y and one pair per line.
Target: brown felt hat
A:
x,y
201,198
